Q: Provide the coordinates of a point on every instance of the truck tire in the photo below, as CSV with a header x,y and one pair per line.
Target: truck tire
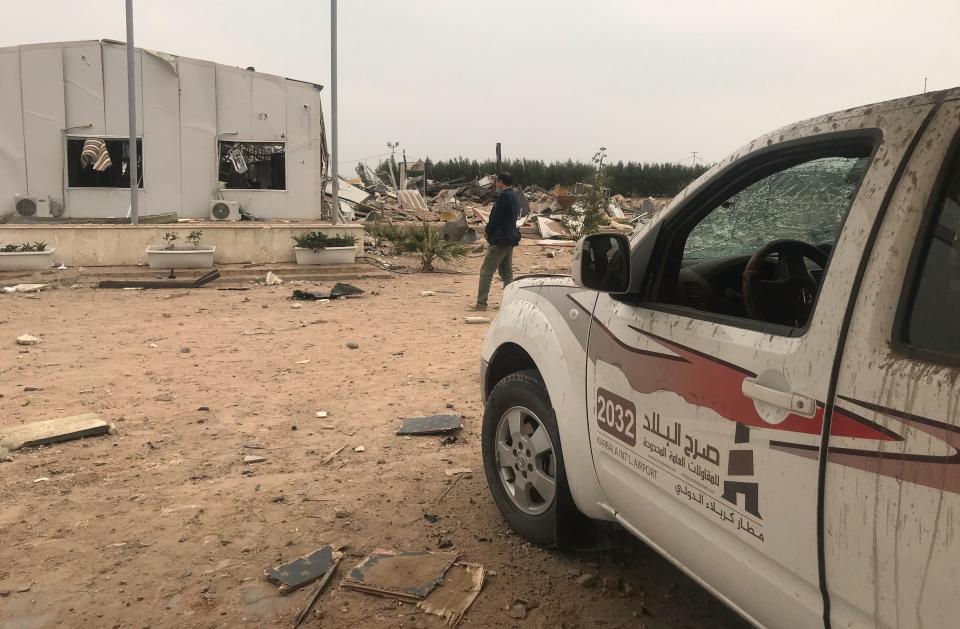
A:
x,y
522,458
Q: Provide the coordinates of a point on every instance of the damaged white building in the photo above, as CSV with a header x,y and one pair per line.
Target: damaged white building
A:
x,y
206,133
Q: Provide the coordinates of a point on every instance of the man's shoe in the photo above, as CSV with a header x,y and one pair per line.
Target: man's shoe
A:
x,y
478,307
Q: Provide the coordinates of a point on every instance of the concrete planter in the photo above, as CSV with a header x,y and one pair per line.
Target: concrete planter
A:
x,y
26,260
180,257
328,255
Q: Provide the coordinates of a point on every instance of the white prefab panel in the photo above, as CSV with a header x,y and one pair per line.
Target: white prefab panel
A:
x,y
234,95
41,80
101,202
303,151
267,204
198,129
115,90
13,174
161,136
269,109
83,88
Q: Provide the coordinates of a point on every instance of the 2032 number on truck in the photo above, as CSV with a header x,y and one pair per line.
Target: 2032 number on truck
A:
x,y
763,382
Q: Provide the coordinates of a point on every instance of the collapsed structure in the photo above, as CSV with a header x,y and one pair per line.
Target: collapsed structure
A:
x,y
462,205
213,140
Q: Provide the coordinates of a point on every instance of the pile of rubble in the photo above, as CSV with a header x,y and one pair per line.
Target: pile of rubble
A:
x,y
464,206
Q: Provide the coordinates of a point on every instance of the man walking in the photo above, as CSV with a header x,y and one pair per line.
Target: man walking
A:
x,y
502,237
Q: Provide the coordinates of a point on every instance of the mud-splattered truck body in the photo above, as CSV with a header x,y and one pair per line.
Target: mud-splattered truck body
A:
x,y
762,382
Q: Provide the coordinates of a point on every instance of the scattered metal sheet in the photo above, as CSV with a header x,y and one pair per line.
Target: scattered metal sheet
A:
x,y
303,570
53,431
197,283
404,575
431,425
453,597
550,228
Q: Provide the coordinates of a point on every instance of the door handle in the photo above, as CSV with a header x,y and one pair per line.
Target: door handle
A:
x,y
793,402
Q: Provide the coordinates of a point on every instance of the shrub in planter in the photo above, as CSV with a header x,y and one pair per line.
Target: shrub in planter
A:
x,y
27,256
318,241
174,256
425,241
319,248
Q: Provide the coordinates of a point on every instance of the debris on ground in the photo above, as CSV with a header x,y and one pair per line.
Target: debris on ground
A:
x,y
359,449
303,570
454,471
404,575
344,290
352,345
203,280
53,431
452,598
251,458
333,454
430,425
587,580
272,279
317,591
27,339
321,414
24,288
476,320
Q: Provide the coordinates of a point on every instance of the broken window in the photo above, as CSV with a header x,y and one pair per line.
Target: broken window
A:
x,y
101,162
253,165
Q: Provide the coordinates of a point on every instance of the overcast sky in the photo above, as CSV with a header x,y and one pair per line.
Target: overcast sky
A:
x,y
651,81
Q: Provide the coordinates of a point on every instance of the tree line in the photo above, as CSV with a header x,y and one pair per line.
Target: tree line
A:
x,y
626,178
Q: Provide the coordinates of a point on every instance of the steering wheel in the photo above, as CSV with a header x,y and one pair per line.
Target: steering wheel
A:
x,y
788,298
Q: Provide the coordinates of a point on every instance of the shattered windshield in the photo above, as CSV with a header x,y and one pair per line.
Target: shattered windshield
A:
x,y
806,202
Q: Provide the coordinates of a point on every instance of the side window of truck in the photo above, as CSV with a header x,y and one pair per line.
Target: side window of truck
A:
x,y
932,324
755,254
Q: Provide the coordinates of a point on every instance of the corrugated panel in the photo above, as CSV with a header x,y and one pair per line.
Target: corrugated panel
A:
x,y
198,129
161,130
234,94
13,174
115,90
41,79
269,109
83,88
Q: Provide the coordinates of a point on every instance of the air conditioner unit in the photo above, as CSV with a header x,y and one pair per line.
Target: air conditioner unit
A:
x,y
32,205
224,210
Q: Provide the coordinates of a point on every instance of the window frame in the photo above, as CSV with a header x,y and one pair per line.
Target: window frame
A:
x,y
918,259
66,160
740,174
283,141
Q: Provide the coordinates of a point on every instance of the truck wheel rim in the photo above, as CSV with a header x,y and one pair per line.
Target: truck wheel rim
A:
x,y
526,460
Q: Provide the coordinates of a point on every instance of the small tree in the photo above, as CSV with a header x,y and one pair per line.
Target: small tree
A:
x,y
171,238
194,238
589,213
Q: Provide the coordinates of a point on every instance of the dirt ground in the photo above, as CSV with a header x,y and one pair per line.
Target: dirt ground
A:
x,y
161,524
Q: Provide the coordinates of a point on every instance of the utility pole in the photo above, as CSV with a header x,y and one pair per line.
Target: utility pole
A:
x,y
393,161
132,117
694,159
924,85
335,184
498,158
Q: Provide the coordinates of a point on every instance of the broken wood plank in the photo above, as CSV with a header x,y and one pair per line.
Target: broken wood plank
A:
x,y
53,431
196,283
330,456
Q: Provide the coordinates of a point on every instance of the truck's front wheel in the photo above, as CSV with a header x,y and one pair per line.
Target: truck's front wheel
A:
x,y
522,457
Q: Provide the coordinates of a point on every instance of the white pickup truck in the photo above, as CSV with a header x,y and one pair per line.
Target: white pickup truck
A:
x,y
763,383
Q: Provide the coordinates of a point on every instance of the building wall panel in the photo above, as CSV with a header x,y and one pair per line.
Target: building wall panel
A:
x,y
41,80
269,109
198,130
13,173
116,112
83,88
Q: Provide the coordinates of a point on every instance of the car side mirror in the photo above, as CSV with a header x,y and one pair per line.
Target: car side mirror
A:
x,y
602,262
